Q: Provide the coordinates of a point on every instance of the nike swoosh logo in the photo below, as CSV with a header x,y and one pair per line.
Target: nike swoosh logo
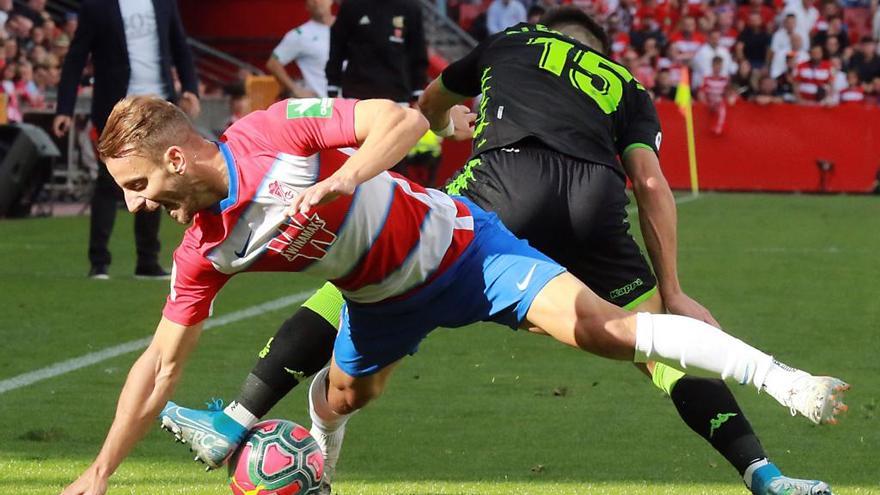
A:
x,y
525,282
247,241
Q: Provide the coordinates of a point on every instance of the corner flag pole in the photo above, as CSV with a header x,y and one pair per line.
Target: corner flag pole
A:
x,y
683,100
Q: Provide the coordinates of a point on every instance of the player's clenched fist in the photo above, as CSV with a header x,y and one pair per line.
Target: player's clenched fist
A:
x,y
89,483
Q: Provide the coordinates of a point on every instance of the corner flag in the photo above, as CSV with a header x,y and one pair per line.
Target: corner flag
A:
x,y
683,100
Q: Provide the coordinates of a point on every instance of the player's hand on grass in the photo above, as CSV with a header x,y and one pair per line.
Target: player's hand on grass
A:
x,y
463,120
89,483
682,304
321,193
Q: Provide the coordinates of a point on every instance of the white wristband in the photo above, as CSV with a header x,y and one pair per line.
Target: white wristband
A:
x,y
448,131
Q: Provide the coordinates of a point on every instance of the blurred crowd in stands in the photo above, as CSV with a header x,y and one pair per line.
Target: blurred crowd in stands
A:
x,y
767,51
34,46
771,51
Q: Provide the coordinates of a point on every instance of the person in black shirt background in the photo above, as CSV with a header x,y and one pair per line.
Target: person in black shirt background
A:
x,y
384,44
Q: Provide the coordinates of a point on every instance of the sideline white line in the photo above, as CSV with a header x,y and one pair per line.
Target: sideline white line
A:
x,y
680,200
64,367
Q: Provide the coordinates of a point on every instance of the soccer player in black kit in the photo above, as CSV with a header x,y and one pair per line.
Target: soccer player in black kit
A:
x,y
560,129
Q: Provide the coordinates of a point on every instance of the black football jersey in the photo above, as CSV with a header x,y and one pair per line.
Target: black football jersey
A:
x,y
539,83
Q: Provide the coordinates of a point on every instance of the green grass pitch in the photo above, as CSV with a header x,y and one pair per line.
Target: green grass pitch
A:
x,y
480,410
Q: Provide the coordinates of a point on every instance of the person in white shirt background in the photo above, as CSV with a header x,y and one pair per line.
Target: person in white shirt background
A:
x,y
309,46
504,13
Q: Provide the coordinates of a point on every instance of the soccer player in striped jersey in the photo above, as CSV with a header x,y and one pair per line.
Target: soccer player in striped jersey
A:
x,y
406,259
509,180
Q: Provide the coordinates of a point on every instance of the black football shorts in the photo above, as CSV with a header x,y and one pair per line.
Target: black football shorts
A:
x,y
572,211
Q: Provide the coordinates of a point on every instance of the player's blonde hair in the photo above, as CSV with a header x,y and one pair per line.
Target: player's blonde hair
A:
x,y
143,126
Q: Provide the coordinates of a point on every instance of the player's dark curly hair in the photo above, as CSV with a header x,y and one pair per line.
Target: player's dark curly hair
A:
x,y
566,17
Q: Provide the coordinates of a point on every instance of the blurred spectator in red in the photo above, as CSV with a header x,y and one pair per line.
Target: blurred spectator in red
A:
x,y
687,40
754,42
805,15
29,93
664,89
781,45
656,11
704,60
866,62
742,82
767,92
639,67
504,13
7,87
814,78
853,93
714,93
620,40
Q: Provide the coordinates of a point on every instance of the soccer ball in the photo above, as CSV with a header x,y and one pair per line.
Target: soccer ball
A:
x,y
278,458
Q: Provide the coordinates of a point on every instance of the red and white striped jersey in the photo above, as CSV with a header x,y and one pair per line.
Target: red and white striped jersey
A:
x,y
387,239
852,94
810,77
713,88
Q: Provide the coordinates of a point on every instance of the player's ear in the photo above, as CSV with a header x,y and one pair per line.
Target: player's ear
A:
x,y
175,160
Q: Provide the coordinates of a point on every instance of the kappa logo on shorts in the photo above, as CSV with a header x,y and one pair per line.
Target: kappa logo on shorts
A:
x,y
303,237
626,289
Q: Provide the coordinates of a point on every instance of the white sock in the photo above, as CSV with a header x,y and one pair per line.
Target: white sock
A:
x,y
241,415
692,345
323,417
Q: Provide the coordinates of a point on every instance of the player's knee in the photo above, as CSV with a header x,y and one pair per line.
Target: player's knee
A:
x,y
346,400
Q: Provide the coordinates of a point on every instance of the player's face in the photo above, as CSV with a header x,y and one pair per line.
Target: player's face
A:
x,y
148,186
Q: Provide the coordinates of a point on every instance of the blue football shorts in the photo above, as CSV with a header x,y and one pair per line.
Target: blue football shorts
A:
x,y
496,279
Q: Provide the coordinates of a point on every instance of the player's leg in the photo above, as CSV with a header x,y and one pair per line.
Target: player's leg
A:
x,y
301,346
709,408
334,396
570,312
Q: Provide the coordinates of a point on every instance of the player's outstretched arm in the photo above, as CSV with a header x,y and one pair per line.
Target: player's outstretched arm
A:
x,y
148,387
445,114
385,132
657,218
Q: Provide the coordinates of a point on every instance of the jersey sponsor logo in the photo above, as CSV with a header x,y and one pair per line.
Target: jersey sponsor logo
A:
x,y
303,237
521,285
626,289
321,108
281,191
658,140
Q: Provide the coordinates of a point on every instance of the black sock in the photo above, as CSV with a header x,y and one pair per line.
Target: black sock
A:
x,y
301,347
710,409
